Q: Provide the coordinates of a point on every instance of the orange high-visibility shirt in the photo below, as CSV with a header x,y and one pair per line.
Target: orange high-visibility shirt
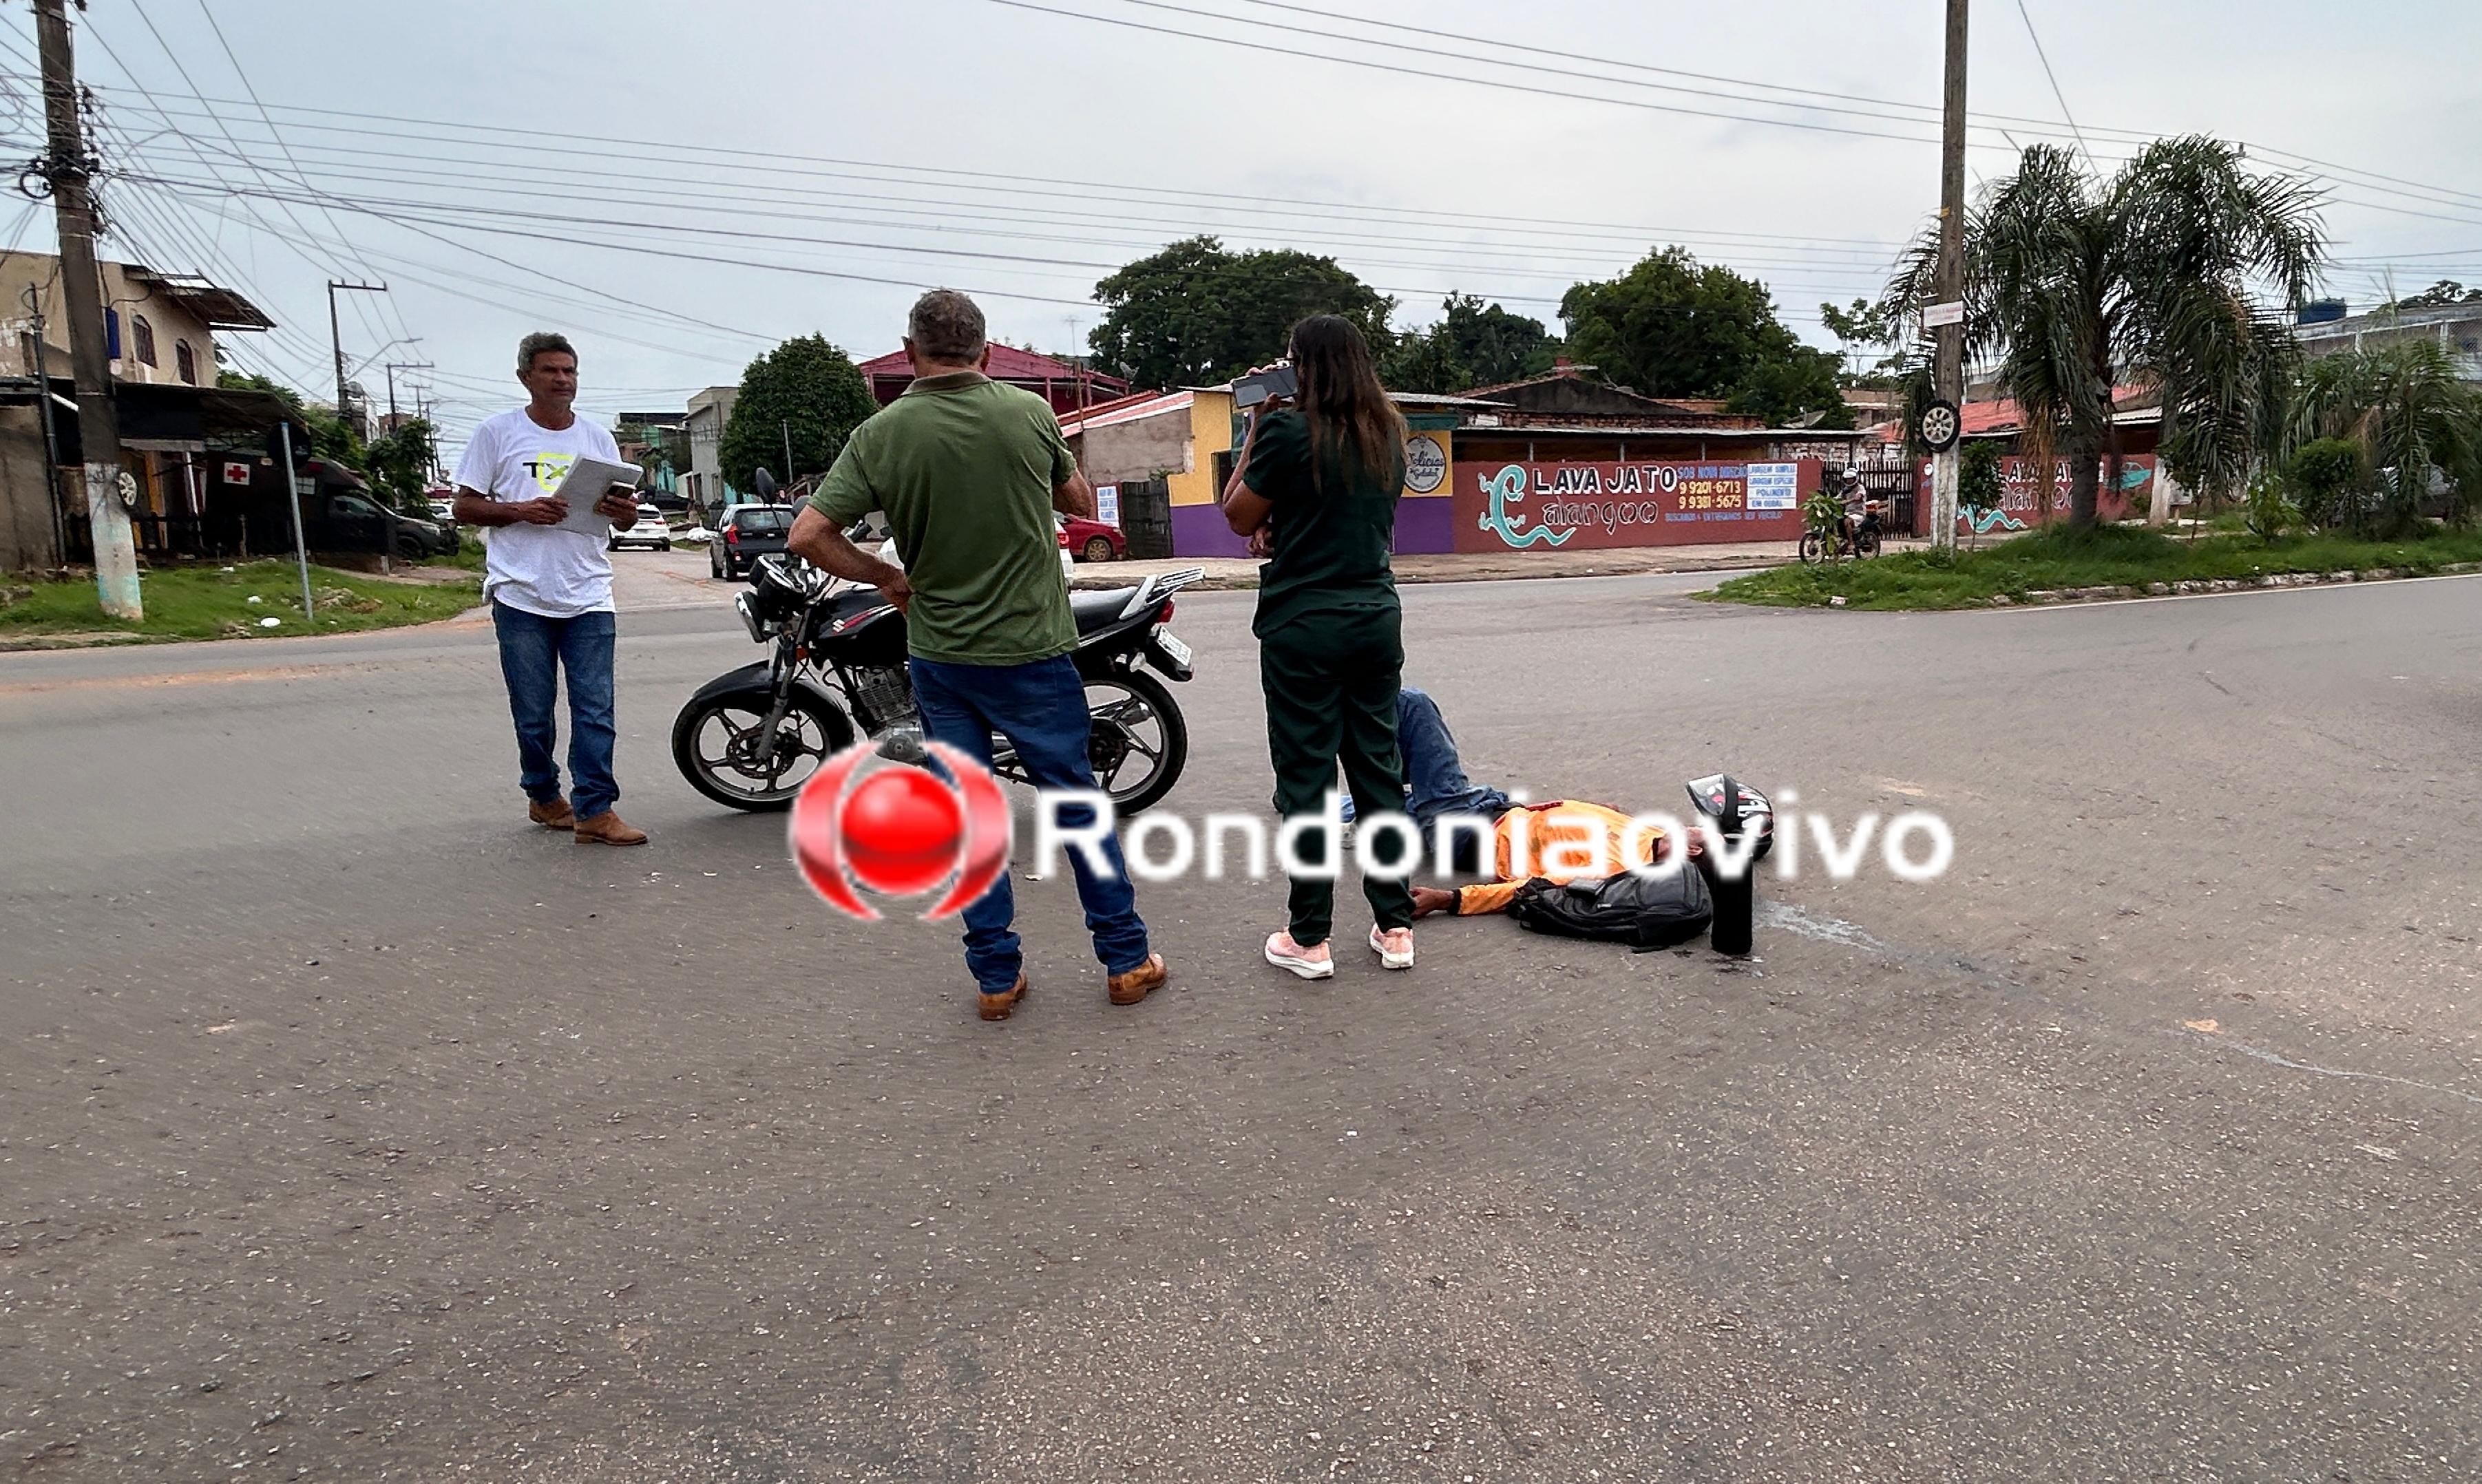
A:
x,y
1547,824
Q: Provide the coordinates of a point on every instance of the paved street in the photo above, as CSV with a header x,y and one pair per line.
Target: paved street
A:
x,y
351,1128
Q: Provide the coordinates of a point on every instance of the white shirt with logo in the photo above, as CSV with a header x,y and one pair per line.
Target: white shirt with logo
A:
x,y
542,569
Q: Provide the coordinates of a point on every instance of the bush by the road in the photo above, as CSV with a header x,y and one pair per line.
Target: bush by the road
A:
x,y
2104,556
207,602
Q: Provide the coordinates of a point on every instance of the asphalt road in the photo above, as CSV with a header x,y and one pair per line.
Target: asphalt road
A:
x,y
351,1128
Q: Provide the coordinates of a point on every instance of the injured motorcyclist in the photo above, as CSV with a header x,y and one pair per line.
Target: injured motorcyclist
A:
x,y
1558,841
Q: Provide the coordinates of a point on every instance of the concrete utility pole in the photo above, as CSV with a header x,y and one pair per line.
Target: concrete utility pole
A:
x,y
787,426
394,367
69,168
336,337
1948,375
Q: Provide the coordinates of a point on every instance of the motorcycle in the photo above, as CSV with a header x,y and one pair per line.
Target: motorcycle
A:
x,y
1832,532
753,736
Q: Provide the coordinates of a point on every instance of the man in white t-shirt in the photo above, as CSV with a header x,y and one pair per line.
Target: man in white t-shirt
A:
x,y
550,589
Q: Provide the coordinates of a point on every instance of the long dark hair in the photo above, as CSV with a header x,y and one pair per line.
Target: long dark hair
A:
x,y
1353,424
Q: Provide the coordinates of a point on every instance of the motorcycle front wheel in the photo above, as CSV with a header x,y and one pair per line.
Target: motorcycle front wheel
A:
x,y
716,745
1816,547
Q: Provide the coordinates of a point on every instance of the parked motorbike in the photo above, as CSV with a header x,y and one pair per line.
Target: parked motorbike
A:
x,y
753,736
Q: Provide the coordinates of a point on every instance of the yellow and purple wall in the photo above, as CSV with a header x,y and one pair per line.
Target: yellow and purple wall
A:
x,y
1424,521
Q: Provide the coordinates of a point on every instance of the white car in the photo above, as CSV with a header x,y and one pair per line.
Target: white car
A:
x,y
649,531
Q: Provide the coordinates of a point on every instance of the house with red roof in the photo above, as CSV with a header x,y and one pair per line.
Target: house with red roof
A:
x,y
1067,387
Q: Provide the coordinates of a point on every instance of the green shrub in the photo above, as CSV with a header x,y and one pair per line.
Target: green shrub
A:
x,y
2266,510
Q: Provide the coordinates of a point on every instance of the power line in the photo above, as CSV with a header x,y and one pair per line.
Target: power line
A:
x,y
1452,253
1568,94
2063,99
1011,183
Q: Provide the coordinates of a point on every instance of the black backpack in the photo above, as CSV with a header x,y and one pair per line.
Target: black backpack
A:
x,y
1645,912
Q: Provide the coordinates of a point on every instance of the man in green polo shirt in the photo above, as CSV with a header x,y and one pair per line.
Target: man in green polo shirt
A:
x,y
967,473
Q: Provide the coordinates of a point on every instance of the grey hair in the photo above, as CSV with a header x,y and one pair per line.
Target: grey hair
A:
x,y
946,327
539,342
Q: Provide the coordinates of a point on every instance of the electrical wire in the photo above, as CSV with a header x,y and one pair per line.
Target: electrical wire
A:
x,y
2053,78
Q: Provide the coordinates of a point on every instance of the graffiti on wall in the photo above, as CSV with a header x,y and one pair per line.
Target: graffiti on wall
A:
x,y
1515,506
2027,500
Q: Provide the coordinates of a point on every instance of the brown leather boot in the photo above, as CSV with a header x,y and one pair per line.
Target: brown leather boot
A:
x,y
1139,982
607,829
998,1006
556,815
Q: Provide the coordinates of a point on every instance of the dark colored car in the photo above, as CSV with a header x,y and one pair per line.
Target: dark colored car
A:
x,y
1092,540
416,537
745,532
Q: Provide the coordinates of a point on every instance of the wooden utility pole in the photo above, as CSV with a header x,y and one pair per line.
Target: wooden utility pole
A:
x,y
1948,375
69,171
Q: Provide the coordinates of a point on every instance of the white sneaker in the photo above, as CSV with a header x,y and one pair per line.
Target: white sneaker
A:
x,y
1297,962
1389,958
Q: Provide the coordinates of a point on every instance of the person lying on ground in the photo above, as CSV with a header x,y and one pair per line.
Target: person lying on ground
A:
x,y
1559,840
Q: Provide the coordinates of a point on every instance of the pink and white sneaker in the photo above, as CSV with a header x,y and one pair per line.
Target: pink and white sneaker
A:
x,y
1394,947
1309,963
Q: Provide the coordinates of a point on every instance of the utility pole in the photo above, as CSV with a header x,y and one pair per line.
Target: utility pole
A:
x,y
336,337
1948,375
787,426
69,168
394,367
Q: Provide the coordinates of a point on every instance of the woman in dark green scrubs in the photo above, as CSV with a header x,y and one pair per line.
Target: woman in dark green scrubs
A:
x,y
1315,488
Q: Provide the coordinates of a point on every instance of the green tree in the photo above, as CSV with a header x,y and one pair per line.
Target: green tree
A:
x,y
1194,314
2441,295
398,464
2072,284
805,389
1469,345
2326,475
1671,327
1979,480
1863,327
331,438
2407,416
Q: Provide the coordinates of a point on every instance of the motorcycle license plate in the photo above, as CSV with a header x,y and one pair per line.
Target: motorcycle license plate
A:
x,y
1174,647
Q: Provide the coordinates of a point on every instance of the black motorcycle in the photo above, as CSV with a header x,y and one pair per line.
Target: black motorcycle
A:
x,y
752,738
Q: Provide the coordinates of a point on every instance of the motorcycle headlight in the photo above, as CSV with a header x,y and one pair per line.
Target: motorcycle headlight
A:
x,y
749,619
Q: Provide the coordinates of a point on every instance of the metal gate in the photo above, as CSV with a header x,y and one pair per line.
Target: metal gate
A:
x,y
1891,473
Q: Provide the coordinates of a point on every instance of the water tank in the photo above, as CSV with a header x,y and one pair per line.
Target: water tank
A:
x,y
2321,311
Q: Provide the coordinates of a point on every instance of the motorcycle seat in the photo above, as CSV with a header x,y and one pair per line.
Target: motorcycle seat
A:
x,y
1095,610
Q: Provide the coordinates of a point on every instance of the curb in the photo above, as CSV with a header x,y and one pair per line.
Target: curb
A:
x,y
2193,587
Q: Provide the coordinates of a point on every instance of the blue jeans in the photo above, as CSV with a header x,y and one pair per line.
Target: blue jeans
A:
x,y
533,649
1435,777
1041,709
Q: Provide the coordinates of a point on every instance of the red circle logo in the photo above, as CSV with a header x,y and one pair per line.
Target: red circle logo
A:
x,y
902,829
901,832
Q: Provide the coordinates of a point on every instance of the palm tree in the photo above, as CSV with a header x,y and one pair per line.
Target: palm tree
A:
x,y
2405,407
2074,283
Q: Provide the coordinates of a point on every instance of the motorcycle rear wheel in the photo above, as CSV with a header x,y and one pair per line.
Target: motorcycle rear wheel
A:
x,y
1865,543
1137,744
714,744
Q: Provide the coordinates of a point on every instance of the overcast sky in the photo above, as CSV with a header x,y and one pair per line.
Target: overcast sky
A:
x,y
836,156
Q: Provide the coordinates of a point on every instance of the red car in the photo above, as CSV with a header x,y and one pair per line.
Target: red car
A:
x,y
1092,540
